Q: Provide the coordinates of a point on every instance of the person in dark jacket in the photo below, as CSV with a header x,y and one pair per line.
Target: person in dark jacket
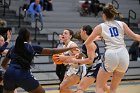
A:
x,y
21,55
134,51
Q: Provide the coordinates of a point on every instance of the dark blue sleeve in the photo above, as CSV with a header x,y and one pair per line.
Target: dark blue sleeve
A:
x,y
8,55
3,47
37,49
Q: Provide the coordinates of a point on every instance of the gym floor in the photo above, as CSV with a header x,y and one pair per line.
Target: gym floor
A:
x,y
125,87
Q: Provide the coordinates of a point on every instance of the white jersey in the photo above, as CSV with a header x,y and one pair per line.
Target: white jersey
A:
x,y
74,68
68,46
113,34
69,53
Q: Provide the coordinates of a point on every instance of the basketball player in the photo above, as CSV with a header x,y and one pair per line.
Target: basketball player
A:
x,y
116,58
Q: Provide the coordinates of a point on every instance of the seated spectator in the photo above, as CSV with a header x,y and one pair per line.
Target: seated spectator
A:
x,y
85,8
134,51
35,10
96,7
41,3
49,6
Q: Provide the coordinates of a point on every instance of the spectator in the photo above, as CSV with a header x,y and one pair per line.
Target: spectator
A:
x,y
49,6
3,51
35,10
41,2
134,51
85,8
3,46
96,6
60,68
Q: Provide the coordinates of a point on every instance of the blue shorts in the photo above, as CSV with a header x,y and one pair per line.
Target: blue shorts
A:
x,y
93,73
16,77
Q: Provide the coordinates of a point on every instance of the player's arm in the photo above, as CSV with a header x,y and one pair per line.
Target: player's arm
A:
x,y
4,63
91,55
51,51
75,50
96,32
6,59
130,33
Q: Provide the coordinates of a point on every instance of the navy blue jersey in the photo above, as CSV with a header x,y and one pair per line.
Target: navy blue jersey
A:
x,y
16,59
17,75
96,59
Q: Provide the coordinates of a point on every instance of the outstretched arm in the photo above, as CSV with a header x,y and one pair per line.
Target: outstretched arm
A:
x,y
130,33
47,51
91,55
4,63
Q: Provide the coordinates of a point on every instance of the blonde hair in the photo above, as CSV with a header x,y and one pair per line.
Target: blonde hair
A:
x,y
1,37
110,11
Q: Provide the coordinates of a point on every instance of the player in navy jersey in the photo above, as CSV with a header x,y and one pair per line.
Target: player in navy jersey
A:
x,y
92,59
21,55
116,58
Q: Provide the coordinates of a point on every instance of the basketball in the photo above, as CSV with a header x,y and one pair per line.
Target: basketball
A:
x,y
56,61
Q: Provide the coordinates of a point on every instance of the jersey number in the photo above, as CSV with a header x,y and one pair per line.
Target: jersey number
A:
x,y
113,31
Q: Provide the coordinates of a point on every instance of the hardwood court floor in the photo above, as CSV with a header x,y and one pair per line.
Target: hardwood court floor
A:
x,y
125,87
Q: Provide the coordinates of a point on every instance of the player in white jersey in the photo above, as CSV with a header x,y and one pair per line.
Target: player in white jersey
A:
x,y
91,57
116,58
74,72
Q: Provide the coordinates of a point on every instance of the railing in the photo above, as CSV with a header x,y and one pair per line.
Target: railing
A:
x,y
19,17
0,1
36,29
114,2
4,6
53,38
131,15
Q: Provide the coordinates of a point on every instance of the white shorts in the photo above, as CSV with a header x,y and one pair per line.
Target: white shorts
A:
x,y
81,71
116,59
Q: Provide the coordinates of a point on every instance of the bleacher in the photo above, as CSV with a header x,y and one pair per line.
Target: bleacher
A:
x,y
65,15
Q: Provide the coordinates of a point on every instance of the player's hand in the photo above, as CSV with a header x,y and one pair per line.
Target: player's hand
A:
x,y
62,57
74,48
79,55
9,35
70,60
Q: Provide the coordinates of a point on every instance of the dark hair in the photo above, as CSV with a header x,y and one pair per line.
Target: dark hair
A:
x,y
77,36
20,49
2,23
88,29
71,32
110,11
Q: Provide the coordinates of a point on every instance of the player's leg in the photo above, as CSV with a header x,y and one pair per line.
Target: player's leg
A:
x,y
84,84
116,79
67,82
102,79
